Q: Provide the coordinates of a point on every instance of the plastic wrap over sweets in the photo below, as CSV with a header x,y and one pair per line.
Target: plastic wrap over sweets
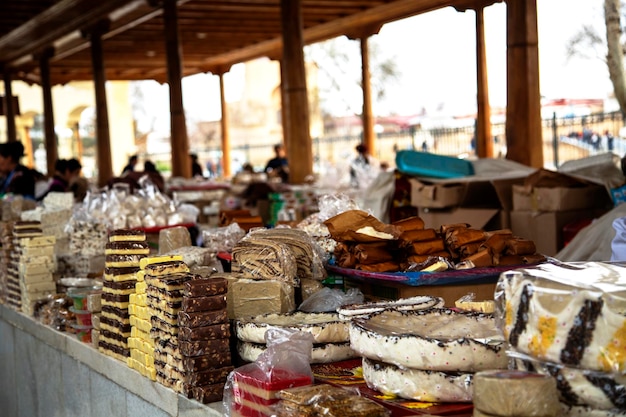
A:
x,y
309,256
579,387
569,314
252,389
256,258
330,299
222,239
418,384
146,208
87,231
324,400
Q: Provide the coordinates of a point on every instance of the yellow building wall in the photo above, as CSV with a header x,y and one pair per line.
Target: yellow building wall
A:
x,y
68,102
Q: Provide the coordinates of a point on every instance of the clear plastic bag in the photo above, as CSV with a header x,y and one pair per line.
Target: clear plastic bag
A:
x,y
330,299
284,364
222,239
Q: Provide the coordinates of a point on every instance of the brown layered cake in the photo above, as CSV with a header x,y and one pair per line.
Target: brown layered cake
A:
x,y
123,253
164,277
204,338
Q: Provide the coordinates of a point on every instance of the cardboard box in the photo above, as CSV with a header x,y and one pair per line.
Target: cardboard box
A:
x,y
553,191
546,228
395,291
559,198
433,195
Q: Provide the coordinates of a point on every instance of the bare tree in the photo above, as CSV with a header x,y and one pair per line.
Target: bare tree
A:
x,y
615,51
588,43
339,62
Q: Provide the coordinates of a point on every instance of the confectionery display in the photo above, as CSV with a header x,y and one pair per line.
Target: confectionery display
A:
x,y
235,327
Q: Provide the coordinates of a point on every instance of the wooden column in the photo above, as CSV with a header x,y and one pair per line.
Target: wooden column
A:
x,y
226,160
27,141
296,133
9,110
484,140
523,110
181,163
50,139
103,136
369,136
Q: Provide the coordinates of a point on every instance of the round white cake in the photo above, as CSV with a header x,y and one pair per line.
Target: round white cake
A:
x,y
435,339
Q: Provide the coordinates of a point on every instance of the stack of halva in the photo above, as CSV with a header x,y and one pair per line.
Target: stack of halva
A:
x,y
270,270
124,251
140,343
30,269
203,338
569,322
164,277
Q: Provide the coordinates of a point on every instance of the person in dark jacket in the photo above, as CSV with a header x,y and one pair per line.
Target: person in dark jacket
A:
x,y
278,166
17,178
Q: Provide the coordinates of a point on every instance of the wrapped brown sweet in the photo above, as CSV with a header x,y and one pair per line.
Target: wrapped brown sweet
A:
x,y
411,223
469,249
344,256
445,228
480,259
519,246
490,233
389,266
533,259
417,235
418,259
427,247
508,260
360,226
372,253
496,242
460,237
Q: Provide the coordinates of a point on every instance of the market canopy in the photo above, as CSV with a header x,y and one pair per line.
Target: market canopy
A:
x,y
214,34
57,41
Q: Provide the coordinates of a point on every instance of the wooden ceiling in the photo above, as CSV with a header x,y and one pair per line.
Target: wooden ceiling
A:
x,y
214,34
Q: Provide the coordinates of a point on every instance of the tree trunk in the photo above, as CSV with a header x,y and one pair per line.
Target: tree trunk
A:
x,y
615,53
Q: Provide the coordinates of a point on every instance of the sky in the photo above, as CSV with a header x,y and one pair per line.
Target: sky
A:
x,y
436,58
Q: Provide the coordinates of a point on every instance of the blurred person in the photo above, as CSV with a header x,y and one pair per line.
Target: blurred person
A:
x,y
130,166
18,179
149,170
196,168
78,184
60,180
278,166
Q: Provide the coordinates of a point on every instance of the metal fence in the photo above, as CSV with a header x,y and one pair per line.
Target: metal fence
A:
x,y
564,139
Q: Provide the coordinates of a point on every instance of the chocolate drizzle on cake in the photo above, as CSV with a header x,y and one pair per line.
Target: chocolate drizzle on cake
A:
x,y
613,391
567,394
521,319
581,333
